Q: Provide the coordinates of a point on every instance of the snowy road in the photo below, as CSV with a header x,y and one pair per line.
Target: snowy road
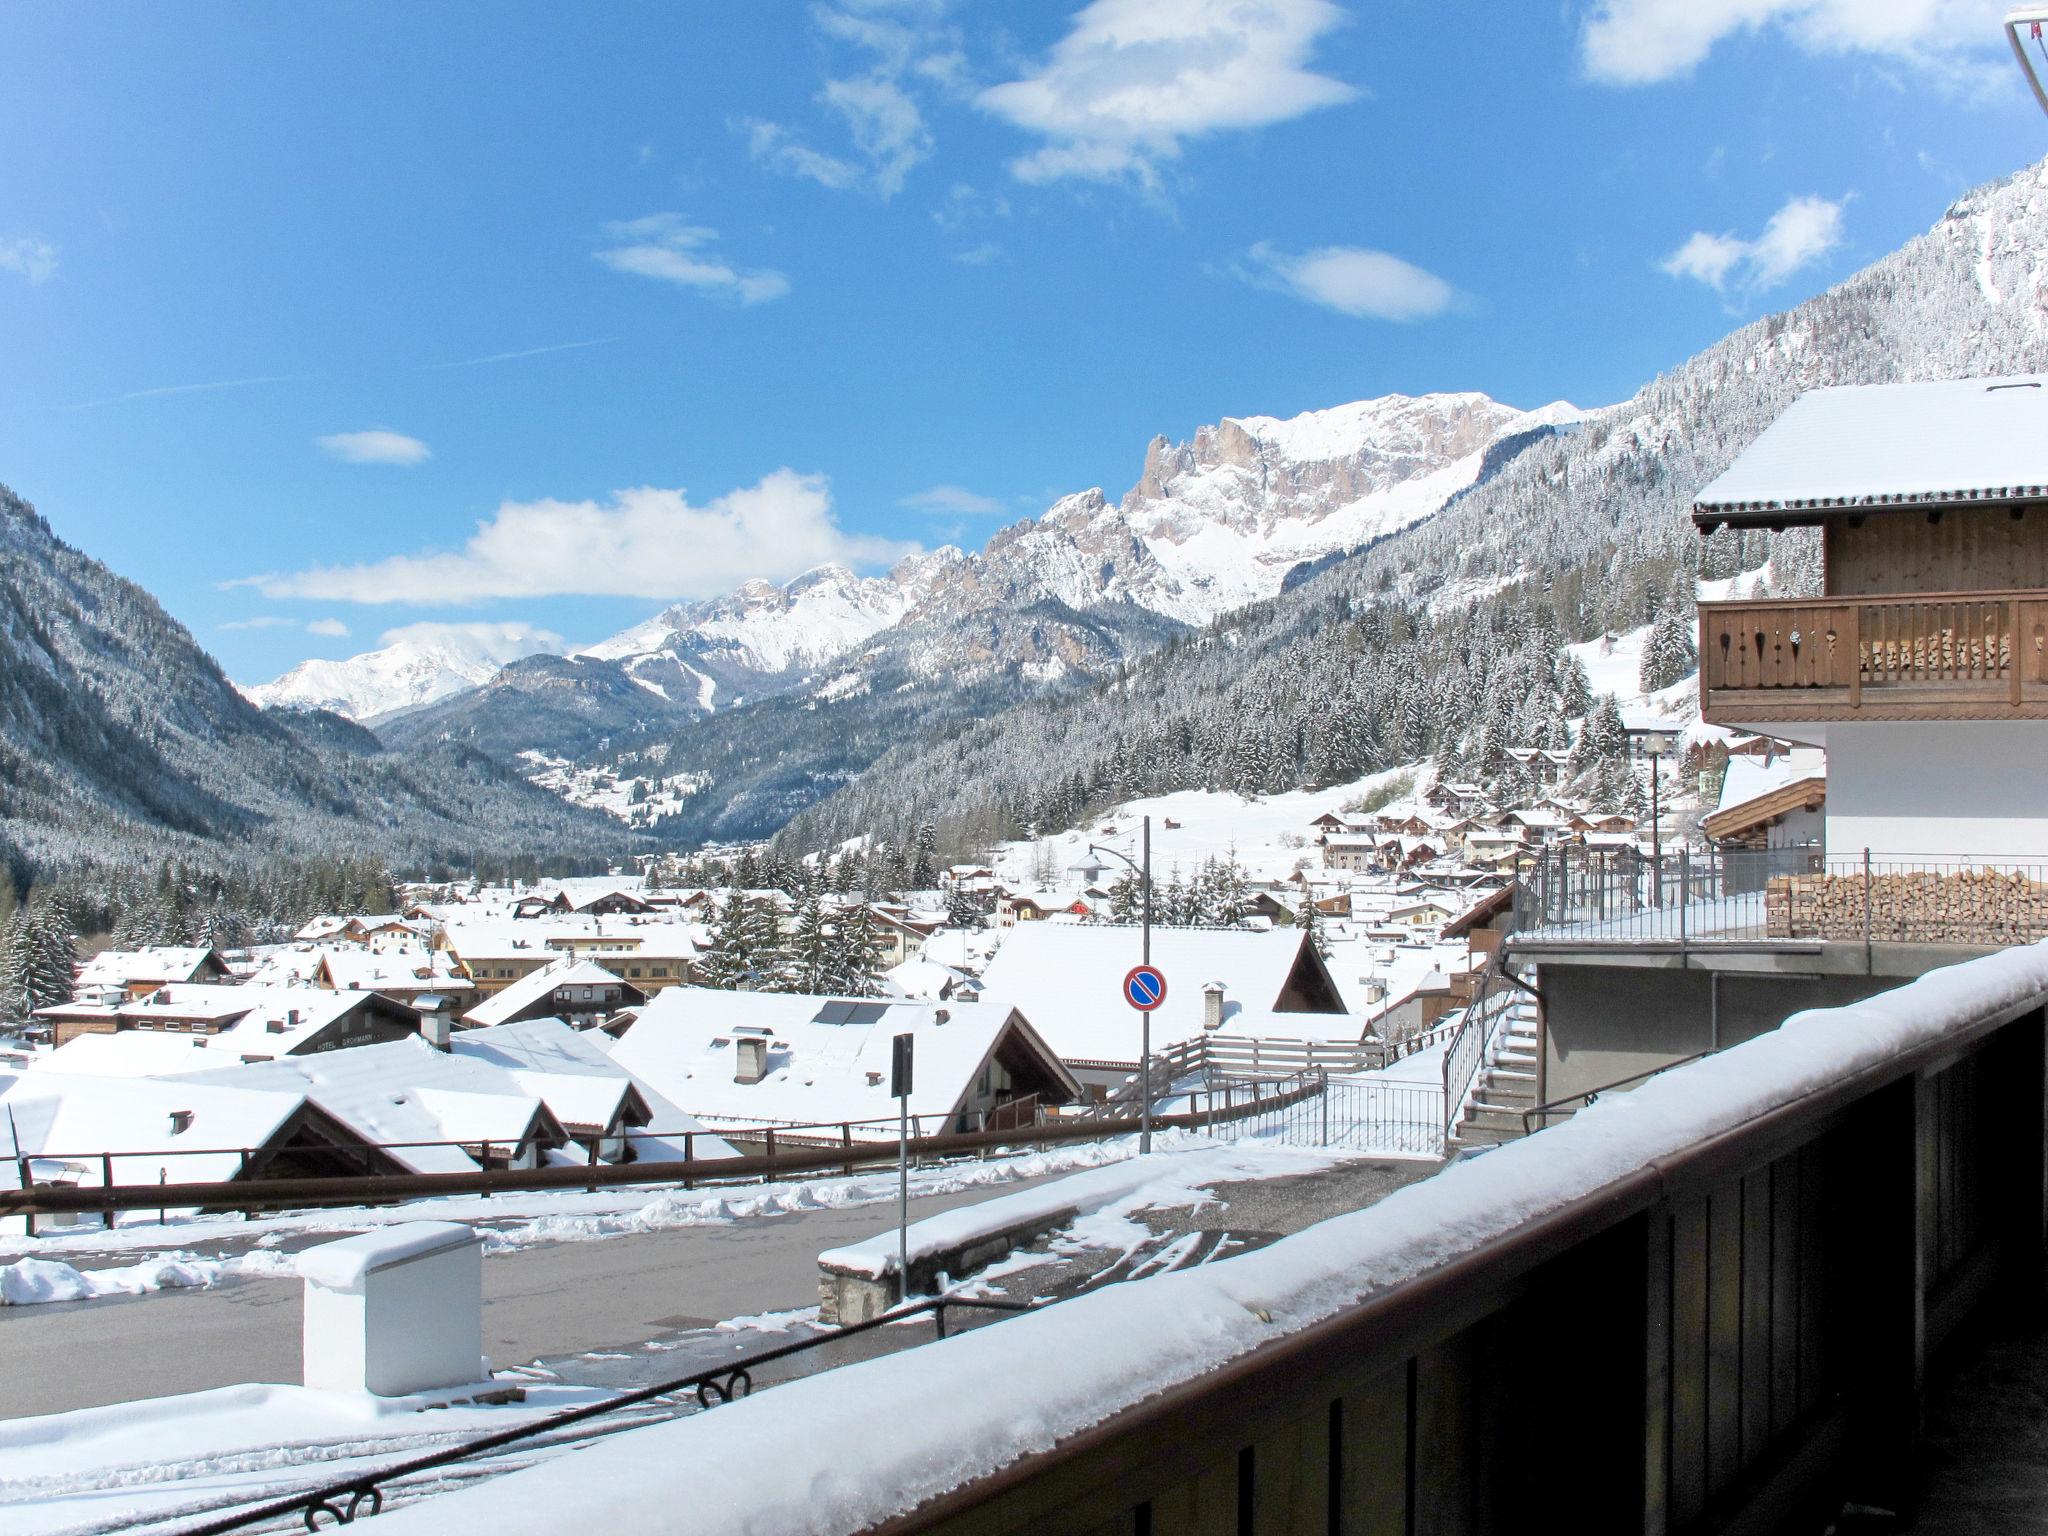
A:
x,y
552,1300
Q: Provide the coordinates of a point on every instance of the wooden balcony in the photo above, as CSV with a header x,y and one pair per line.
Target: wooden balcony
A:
x,y
1930,656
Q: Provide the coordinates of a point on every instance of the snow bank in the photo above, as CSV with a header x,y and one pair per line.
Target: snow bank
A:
x,y
29,1281
1154,1176
860,1444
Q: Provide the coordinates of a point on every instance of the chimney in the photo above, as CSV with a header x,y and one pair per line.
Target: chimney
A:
x,y
434,1029
1212,1005
752,1063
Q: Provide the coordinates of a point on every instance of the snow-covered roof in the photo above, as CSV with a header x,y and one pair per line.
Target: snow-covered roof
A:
x,y
404,1091
237,1020
828,1058
172,1128
361,970
125,967
1876,445
1749,777
1068,981
538,985
583,1083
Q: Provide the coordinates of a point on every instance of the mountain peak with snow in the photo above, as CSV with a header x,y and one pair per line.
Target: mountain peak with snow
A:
x,y
416,665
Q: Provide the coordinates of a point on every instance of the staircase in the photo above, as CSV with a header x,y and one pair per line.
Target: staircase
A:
x,y
1505,1085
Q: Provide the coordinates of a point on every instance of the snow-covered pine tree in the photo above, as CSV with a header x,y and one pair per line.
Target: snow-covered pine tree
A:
x,y
761,922
16,959
1669,655
725,964
924,863
857,954
52,952
1311,923
810,948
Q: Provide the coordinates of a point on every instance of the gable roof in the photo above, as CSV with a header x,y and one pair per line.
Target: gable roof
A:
x,y
828,1058
584,1084
157,963
1069,982
61,1115
536,986
1883,445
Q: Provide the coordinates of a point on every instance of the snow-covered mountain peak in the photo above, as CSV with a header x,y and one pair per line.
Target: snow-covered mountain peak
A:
x,y
416,666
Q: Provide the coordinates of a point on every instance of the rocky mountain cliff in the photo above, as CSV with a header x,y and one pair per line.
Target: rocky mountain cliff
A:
x,y
1448,639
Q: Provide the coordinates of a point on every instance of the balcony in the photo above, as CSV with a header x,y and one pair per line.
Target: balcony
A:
x,y
1599,900
1933,656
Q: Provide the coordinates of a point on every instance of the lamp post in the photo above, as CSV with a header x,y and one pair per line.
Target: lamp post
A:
x,y
1654,746
1144,874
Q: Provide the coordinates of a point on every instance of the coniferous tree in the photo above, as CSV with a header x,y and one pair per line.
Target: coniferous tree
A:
x,y
811,954
857,954
725,965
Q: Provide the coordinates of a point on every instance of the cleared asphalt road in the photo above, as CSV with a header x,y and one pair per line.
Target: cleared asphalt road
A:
x,y
555,1300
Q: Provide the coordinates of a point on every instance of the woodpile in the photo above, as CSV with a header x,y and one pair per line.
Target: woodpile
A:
x,y
1974,906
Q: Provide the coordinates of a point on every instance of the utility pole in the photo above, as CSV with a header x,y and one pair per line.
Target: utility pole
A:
x,y
1143,870
1145,1045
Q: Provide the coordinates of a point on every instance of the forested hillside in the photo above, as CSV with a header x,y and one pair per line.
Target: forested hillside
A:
x,y
1444,640
123,745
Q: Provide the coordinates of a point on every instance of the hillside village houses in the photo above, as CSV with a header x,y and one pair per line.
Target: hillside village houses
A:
x,y
491,1012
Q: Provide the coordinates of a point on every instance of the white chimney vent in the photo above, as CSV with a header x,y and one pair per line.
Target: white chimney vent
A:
x,y
434,1030
751,1064
1212,1005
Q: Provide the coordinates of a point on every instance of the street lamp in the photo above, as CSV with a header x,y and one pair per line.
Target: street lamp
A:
x,y
1654,746
1144,874
2030,17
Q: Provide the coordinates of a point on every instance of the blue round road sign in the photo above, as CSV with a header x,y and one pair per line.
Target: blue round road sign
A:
x,y
1145,987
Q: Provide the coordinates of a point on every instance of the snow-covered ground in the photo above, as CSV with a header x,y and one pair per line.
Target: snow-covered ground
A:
x,y
607,790
154,1461
58,1266
1270,835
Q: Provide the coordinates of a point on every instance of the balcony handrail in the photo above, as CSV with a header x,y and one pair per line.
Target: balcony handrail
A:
x,y
1876,599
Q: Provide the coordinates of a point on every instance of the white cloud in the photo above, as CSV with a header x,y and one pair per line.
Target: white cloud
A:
x,y
874,106
332,629
26,256
1798,234
665,247
375,447
1641,42
956,499
1134,79
504,641
262,621
1367,285
645,542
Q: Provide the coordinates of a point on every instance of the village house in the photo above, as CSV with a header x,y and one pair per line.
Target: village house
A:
x,y
79,1131
1069,982
249,1021
116,974
581,993
741,1059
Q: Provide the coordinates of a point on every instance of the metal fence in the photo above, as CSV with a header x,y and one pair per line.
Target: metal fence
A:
x,y
1704,897
1356,1115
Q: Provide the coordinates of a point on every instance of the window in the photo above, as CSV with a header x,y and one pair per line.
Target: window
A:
x,y
656,971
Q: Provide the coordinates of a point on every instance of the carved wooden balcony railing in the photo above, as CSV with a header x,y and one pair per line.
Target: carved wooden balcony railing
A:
x,y
1933,656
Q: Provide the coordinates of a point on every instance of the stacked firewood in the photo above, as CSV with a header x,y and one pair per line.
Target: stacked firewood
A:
x,y
1971,906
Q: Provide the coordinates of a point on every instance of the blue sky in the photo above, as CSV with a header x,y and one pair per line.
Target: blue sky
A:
x,y
360,316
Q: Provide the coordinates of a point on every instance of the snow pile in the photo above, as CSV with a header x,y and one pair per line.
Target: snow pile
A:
x,y
875,1439
1168,1178
28,1281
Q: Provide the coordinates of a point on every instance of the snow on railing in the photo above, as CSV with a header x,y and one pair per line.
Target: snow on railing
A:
x,y
882,1437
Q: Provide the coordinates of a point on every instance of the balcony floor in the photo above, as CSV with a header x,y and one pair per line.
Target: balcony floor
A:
x,y
1984,1458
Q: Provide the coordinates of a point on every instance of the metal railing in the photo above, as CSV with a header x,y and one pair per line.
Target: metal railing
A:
x,y
1537,1117
1700,898
1476,1041
347,1500
35,1199
1358,1115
